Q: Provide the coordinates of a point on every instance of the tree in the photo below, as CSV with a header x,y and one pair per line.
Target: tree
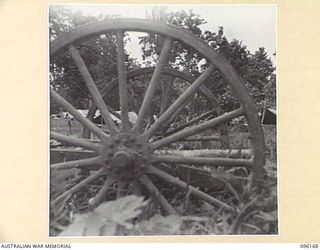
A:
x,y
152,43
256,69
99,54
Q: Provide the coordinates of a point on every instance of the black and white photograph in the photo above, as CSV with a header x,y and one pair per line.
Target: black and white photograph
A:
x,y
163,120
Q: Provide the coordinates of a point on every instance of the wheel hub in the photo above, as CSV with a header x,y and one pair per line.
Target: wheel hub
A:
x,y
122,159
126,157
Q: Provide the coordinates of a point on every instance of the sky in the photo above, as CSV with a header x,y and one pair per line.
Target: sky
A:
x,y
254,25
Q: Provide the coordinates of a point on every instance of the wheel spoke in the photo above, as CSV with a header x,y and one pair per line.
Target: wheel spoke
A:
x,y
196,192
216,176
229,153
198,128
77,115
193,121
208,95
102,193
202,138
166,94
168,123
148,99
155,193
104,93
77,163
96,96
180,102
208,138
77,187
224,134
201,160
71,153
123,88
121,188
75,141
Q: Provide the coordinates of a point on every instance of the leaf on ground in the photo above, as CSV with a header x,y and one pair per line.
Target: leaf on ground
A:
x,y
122,210
105,219
161,225
77,227
94,224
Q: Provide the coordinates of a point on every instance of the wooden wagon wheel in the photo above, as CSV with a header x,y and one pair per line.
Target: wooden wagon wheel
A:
x,y
130,153
173,74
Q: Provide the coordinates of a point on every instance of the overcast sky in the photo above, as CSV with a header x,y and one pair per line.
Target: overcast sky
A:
x,y
255,25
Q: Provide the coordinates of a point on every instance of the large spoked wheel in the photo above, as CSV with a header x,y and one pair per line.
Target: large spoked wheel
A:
x,y
134,153
164,99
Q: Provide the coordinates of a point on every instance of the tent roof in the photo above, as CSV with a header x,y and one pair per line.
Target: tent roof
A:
x,y
272,111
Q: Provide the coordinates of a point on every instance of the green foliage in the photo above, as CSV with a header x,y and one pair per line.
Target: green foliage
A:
x,y
159,225
256,69
98,53
254,213
106,218
151,44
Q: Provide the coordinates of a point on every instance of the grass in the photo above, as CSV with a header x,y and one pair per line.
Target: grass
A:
x,y
60,125
255,211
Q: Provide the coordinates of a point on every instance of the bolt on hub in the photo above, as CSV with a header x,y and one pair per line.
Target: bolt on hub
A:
x,y
128,157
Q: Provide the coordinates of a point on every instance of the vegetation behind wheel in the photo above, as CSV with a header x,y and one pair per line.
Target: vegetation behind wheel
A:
x,y
142,157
